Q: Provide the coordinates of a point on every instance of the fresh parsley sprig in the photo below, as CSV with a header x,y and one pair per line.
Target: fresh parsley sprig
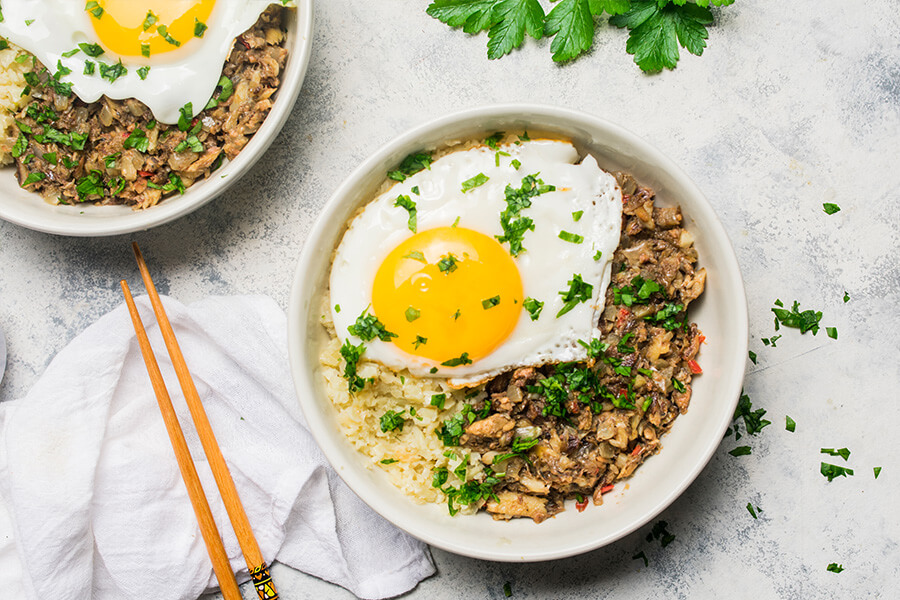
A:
x,y
656,27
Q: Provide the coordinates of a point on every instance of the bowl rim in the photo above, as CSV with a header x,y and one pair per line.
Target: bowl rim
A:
x,y
312,248
126,220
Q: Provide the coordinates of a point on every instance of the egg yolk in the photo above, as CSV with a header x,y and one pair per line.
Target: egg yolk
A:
x,y
132,28
448,291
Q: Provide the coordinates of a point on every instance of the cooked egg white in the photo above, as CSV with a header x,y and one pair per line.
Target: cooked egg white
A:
x,y
456,297
171,51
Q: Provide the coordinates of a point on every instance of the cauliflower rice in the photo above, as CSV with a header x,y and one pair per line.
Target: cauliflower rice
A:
x,y
14,63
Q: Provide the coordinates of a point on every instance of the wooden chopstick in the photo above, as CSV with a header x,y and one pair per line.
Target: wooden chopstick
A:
x,y
185,463
259,570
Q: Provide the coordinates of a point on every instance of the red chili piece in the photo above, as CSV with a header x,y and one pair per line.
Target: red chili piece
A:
x,y
145,173
606,488
581,505
694,367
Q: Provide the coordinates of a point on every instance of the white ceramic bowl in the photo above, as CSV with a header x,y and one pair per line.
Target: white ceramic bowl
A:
x,y
31,210
721,314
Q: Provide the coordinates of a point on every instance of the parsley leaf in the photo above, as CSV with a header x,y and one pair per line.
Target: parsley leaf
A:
x,y
830,208
579,291
831,471
455,362
410,206
740,451
834,568
533,307
412,314
512,19
843,452
368,327
790,424
490,302
657,28
808,320
351,355
447,264
573,21
392,420
474,182
412,164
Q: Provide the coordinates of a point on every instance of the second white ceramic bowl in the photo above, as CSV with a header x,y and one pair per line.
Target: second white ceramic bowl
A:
x,y
721,314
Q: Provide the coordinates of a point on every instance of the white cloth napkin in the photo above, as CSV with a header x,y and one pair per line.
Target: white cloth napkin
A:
x,y
94,491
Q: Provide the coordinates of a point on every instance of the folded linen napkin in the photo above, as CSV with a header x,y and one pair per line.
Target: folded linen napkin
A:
x,y
94,491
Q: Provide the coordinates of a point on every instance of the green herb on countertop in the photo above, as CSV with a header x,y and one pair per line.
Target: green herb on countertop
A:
x,y
831,471
834,568
656,28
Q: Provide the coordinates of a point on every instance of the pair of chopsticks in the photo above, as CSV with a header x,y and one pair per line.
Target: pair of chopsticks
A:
x,y
259,570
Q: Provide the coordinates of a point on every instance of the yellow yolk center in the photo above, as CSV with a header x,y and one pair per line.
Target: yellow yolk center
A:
x,y
457,289
132,28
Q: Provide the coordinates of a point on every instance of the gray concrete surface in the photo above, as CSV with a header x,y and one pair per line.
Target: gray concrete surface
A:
x,y
792,105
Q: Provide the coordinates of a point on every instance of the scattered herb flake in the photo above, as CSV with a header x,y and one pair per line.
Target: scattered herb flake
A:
x,y
741,451
419,341
641,556
92,50
578,291
789,424
831,471
447,264
199,28
751,511
571,237
474,182
834,568
533,307
438,400
830,208
490,302
832,332
843,452
411,165
877,471
463,359
368,327
412,314
846,297
392,420
407,203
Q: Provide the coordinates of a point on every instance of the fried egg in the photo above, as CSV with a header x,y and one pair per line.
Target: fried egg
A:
x,y
489,259
165,53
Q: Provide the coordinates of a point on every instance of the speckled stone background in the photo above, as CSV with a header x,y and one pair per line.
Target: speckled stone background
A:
x,y
792,105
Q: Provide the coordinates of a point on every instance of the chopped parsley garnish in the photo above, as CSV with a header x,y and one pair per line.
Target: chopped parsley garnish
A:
x,y
474,182
89,185
576,216
832,332
831,471
515,164
94,8
226,88
368,327
834,568
519,447
623,346
843,452
490,302
19,147
199,28
514,226
412,314
439,477
351,355
846,297
438,400
185,116
110,161
143,71
420,340
112,72
191,142
68,162
507,590
751,511
50,157
790,424
877,471
679,387
447,264
753,419
808,320
639,292
471,492
392,420
578,291
771,341
740,451
660,532
451,429
163,31
173,184
463,359
145,50
641,556
493,141
411,165
92,50
89,67
137,139
4,45
533,307
571,237
388,461
34,178
149,21
752,356
830,208
416,255
407,203
457,314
